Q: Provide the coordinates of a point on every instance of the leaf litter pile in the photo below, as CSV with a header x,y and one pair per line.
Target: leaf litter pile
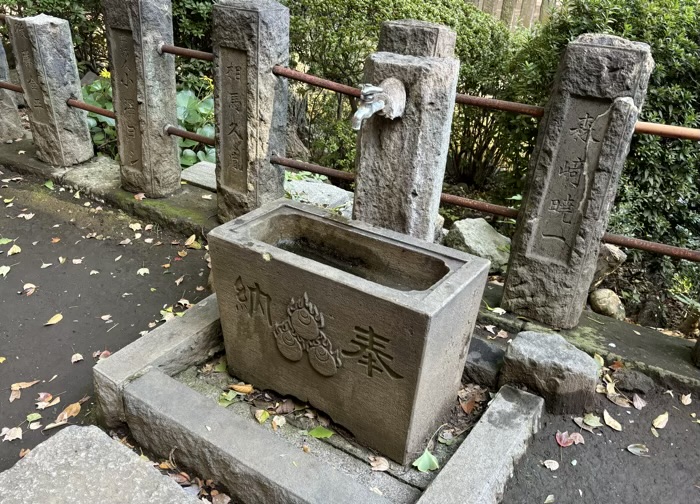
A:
x,y
627,449
279,413
78,281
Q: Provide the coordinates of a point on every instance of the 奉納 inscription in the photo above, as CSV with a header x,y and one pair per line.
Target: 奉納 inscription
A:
x,y
301,332
234,119
575,163
129,132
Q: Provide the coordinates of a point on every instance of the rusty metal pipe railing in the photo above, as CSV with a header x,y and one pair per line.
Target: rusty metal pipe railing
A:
x,y
185,52
482,206
91,108
172,130
505,106
11,87
315,81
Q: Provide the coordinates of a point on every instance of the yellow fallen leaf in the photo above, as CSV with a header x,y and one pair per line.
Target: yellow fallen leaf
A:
x,y
15,249
242,388
611,422
190,240
2,359
55,319
70,411
660,421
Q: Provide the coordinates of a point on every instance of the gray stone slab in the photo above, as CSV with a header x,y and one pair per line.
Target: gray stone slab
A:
x,y
48,72
10,124
554,368
202,174
478,237
143,82
574,171
321,194
83,465
484,362
254,464
249,37
417,38
337,313
401,162
478,472
172,347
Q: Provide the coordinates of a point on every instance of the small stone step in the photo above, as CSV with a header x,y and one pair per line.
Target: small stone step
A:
x,y
83,465
202,174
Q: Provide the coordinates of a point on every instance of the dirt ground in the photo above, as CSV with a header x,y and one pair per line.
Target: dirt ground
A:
x,y
603,470
97,289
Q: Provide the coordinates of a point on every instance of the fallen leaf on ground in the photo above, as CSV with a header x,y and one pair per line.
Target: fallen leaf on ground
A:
x,y
378,463
62,260
135,226
143,272
71,410
15,249
686,400
552,465
12,434
577,437
655,432
54,320
34,426
549,499
502,334
94,272
242,388
611,422
669,392
106,317
563,439
76,358
33,417
2,359
78,260
660,421
24,452
45,265
190,240
28,289
139,196
261,415
54,425
426,462
592,420
4,270
179,280
638,449
278,421
55,239
638,402
320,432
490,328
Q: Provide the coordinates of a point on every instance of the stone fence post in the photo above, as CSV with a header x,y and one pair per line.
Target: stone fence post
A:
x,y
10,125
250,37
401,162
48,74
143,85
582,144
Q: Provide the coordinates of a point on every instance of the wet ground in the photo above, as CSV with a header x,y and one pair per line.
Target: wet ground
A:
x,y
75,253
603,470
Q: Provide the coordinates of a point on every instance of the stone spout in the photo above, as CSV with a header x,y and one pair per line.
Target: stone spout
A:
x,y
388,99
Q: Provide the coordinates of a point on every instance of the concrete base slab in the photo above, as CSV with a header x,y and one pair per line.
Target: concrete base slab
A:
x,y
202,174
479,470
321,194
83,465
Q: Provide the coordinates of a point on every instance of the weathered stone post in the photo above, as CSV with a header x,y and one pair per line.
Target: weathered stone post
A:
x,y
48,73
583,141
10,125
143,84
401,162
250,37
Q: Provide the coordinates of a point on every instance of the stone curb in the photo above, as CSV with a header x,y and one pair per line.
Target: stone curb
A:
x,y
477,473
164,414
176,345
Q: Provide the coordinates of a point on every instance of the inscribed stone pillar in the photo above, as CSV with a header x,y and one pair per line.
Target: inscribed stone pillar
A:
x,y
10,125
582,144
250,37
143,84
401,162
49,77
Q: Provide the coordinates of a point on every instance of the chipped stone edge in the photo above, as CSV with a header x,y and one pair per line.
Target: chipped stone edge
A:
x,y
172,347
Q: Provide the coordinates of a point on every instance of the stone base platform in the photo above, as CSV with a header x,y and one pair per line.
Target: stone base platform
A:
x,y
83,465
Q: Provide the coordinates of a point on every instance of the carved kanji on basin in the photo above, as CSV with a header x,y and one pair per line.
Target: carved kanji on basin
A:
x,y
357,320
